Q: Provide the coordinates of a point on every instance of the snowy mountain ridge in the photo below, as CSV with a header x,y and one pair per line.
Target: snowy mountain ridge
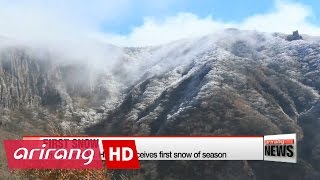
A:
x,y
230,83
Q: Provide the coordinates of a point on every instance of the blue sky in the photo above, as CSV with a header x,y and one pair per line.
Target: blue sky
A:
x,y
151,22
223,10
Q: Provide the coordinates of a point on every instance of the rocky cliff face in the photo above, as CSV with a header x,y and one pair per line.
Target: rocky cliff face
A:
x,y
237,82
23,81
37,90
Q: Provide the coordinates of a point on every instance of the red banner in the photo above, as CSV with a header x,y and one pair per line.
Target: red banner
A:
x,y
53,154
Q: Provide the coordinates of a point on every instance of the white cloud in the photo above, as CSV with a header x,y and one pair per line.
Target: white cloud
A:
x,y
36,20
62,29
77,21
286,17
154,32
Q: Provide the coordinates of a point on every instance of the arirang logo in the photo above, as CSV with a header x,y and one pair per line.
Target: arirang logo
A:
x,y
279,147
53,154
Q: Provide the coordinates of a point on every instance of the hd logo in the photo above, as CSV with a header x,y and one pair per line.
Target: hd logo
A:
x,y
280,148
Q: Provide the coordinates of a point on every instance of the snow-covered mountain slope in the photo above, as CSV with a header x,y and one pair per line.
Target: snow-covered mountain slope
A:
x,y
232,83
235,82
265,74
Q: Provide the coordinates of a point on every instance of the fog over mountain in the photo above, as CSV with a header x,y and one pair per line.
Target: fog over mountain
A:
x,y
229,83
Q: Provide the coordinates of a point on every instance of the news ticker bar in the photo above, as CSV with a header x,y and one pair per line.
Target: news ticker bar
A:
x,y
126,152
188,148
280,148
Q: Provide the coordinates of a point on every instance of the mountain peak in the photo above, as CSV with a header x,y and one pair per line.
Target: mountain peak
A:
x,y
294,36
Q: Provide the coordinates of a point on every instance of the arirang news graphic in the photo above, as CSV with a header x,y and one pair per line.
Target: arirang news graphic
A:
x,y
126,152
160,89
281,148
